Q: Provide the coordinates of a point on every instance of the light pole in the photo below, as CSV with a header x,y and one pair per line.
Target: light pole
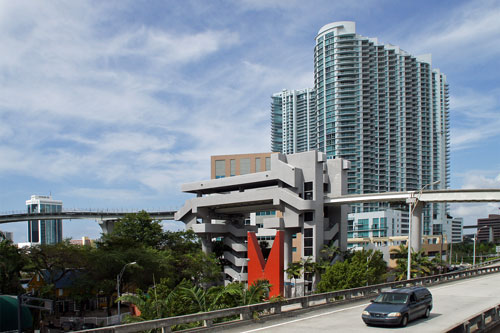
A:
x,y
413,201
118,279
474,249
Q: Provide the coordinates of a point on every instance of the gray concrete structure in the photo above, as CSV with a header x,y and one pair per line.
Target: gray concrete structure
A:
x,y
309,193
295,186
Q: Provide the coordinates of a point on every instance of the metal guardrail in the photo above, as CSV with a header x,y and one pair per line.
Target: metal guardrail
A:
x,y
481,322
246,313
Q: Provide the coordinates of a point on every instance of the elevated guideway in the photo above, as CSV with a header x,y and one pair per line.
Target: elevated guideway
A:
x,y
80,214
453,303
431,196
106,219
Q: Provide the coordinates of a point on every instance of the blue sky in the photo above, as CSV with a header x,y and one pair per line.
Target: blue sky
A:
x,y
114,104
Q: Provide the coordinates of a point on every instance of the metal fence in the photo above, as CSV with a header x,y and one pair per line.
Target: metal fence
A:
x,y
245,313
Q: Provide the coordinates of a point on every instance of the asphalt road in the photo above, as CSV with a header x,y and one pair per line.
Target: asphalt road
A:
x,y
453,303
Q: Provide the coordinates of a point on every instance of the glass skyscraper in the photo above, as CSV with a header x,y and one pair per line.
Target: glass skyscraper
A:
x,y
44,231
376,105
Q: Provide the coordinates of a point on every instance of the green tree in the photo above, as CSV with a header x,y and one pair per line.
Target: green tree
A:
x,y
55,261
12,261
139,228
362,268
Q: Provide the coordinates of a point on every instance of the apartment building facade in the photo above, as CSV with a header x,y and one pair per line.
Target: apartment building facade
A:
x,y
376,105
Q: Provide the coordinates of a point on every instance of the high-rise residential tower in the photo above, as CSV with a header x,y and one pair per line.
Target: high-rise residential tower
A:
x,y
381,108
293,121
44,231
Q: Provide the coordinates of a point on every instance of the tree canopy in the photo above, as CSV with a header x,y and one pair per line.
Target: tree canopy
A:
x,y
361,268
12,261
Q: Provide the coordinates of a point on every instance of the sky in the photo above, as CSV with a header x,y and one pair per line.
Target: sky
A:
x,y
115,104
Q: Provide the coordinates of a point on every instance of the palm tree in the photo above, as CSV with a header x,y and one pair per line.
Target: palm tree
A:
x,y
151,307
256,293
420,263
329,252
202,300
309,267
294,271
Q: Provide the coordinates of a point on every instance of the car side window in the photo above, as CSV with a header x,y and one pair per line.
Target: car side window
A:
x,y
412,298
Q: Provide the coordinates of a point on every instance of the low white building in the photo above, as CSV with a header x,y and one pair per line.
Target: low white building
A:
x,y
451,228
384,223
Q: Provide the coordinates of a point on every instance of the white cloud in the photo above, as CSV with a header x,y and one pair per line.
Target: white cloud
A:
x,y
480,179
471,212
477,117
470,32
169,48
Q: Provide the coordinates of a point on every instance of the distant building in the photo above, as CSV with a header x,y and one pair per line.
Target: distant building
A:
x,y
491,222
457,230
44,231
293,126
385,223
431,246
8,235
451,227
84,241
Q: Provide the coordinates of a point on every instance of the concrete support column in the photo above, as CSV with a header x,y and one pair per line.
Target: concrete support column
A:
x,y
206,243
416,227
288,245
107,225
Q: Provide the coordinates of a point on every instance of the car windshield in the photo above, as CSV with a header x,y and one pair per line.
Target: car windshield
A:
x,y
392,298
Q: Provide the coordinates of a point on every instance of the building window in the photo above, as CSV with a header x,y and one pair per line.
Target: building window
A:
x,y
308,241
244,166
220,168
257,164
308,190
268,163
233,167
308,216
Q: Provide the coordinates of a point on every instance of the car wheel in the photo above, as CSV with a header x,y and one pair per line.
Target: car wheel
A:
x,y
404,321
427,312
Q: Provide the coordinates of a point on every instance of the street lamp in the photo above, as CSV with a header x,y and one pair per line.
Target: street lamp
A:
x,y
413,205
474,249
118,279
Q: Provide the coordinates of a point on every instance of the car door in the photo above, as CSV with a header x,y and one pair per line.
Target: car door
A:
x,y
413,307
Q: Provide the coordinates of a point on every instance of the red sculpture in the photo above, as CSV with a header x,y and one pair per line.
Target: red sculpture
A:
x,y
272,271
